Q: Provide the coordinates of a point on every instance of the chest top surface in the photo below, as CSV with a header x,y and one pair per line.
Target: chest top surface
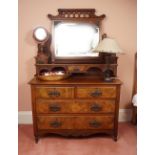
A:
x,y
77,80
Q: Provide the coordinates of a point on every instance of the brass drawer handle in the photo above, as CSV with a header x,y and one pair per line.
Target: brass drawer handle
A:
x,y
96,107
54,107
95,124
55,124
96,93
54,93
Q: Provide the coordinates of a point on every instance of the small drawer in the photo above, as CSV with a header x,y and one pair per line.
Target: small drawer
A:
x,y
76,68
75,122
55,92
53,106
69,106
96,92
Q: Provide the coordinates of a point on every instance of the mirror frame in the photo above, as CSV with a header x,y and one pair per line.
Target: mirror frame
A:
x,y
78,16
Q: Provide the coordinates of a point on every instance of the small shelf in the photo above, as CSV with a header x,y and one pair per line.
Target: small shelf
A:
x,y
77,68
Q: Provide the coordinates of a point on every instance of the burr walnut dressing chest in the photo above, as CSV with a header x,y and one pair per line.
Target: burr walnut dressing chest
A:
x,y
82,104
76,106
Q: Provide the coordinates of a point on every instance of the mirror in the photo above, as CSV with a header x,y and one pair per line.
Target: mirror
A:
x,y
75,39
40,34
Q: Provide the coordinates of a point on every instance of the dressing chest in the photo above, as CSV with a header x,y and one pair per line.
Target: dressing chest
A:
x,y
84,103
78,106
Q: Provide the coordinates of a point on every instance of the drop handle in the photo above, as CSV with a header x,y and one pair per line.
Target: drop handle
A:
x,y
95,124
96,107
54,93
96,93
55,124
54,107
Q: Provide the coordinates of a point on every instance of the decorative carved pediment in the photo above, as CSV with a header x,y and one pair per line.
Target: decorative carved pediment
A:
x,y
75,14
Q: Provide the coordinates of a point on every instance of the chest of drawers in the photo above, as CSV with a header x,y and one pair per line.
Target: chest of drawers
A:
x,y
75,107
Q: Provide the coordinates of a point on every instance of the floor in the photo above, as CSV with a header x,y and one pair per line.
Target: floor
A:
x,y
57,145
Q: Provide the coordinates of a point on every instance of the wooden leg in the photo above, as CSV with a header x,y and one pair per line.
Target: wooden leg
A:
x,y
36,139
115,138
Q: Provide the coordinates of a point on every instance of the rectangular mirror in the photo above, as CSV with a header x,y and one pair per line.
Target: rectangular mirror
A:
x,y
75,33
75,39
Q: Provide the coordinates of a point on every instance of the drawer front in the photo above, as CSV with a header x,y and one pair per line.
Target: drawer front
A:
x,y
96,106
79,106
53,106
96,92
75,122
76,68
55,92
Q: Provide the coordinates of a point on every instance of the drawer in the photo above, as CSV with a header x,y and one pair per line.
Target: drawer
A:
x,y
55,92
78,106
96,92
76,68
75,122
95,106
53,106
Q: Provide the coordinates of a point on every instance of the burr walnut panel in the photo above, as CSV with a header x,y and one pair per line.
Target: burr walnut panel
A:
x,y
75,122
95,106
96,92
78,106
55,92
76,68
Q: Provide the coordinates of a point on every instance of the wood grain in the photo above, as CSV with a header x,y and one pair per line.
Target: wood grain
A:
x,y
77,106
96,92
55,92
75,122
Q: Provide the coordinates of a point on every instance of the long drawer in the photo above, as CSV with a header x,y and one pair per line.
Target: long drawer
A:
x,y
75,122
96,92
77,106
55,92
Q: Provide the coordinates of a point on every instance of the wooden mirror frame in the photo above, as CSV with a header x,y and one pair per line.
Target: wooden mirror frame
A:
x,y
77,15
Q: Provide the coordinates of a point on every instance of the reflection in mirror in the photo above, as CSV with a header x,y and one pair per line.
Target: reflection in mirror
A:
x,y
75,39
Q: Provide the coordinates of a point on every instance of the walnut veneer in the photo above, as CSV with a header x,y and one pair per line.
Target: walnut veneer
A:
x,y
80,105
77,106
